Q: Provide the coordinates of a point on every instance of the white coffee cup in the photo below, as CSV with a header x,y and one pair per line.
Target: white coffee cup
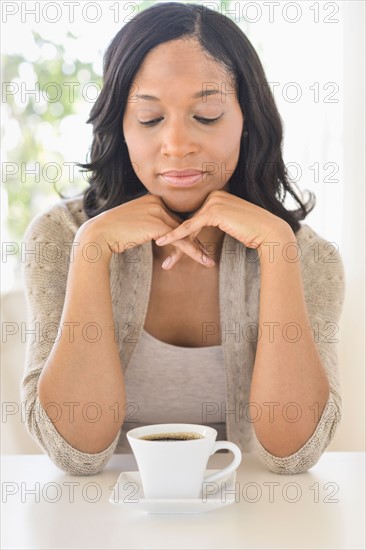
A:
x,y
175,469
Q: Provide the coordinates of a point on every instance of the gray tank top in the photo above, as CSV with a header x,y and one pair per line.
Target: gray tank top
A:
x,y
166,383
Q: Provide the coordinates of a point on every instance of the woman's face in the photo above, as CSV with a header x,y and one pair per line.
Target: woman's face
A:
x,y
174,73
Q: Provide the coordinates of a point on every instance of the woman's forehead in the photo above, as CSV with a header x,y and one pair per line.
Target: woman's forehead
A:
x,y
180,57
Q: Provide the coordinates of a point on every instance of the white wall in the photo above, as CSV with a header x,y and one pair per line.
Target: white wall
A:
x,y
305,53
351,434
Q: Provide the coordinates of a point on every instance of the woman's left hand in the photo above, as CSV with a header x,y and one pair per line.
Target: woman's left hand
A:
x,y
248,223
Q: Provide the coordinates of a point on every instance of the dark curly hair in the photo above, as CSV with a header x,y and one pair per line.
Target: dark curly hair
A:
x,y
260,176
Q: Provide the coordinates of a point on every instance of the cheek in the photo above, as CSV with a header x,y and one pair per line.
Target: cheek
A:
x,y
233,131
141,145
142,161
228,146
233,142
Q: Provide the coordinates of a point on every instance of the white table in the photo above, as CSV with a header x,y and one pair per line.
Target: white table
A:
x,y
323,508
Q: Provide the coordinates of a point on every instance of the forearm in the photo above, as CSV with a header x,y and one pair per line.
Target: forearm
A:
x,y
287,367
83,374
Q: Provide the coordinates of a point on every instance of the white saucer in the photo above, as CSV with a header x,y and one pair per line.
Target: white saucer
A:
x,y
128,492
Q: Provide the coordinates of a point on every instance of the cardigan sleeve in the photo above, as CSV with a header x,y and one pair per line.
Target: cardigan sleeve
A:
x,y
48,245
324,287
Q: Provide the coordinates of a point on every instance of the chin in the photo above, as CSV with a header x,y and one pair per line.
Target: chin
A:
x,y
183,215
184,211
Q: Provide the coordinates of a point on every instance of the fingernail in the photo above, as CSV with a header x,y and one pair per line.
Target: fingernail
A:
x,y
161,240
206,260
167,262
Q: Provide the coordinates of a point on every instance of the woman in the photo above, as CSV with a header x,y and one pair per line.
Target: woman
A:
x,y
185,164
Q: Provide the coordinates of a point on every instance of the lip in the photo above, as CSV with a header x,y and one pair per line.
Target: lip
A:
x,y
183,181
182,173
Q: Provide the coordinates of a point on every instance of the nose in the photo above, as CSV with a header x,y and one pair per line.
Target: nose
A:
x,y
178,140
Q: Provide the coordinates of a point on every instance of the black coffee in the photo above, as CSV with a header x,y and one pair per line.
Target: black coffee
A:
x,y
172,436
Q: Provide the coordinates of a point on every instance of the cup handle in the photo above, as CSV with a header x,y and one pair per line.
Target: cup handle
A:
x,y
231,467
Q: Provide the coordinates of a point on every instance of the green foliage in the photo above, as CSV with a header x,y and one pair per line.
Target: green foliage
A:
x,y
35,117
27,192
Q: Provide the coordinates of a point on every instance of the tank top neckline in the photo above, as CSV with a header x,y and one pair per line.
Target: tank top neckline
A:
x,y
153,339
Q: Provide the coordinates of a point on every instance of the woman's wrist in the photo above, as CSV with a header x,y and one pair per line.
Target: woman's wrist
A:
x,y
93,246
277,244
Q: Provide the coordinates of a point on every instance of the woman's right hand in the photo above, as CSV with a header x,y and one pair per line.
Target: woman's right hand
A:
x,y
136,222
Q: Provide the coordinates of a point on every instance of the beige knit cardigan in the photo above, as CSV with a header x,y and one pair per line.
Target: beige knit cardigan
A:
x,y
51,235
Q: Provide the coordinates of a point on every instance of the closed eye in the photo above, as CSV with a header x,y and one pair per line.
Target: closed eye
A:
x,y
200,119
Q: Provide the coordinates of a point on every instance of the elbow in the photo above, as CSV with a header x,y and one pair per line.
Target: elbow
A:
x,y
78,467
72,461
67,458
309,454
291,465
297,463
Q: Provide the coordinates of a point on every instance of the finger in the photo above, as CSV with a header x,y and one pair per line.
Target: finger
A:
x,y
173,259
197,253
188,247
177,218
186,228
178,254
193,247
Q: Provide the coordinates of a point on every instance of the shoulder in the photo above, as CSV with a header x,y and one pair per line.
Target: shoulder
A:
x,y
315,250
59,221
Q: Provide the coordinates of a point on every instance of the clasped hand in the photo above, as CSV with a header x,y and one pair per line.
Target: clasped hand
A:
x,y
248,223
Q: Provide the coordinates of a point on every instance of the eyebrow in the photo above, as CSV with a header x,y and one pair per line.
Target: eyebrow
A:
x,y
200,94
